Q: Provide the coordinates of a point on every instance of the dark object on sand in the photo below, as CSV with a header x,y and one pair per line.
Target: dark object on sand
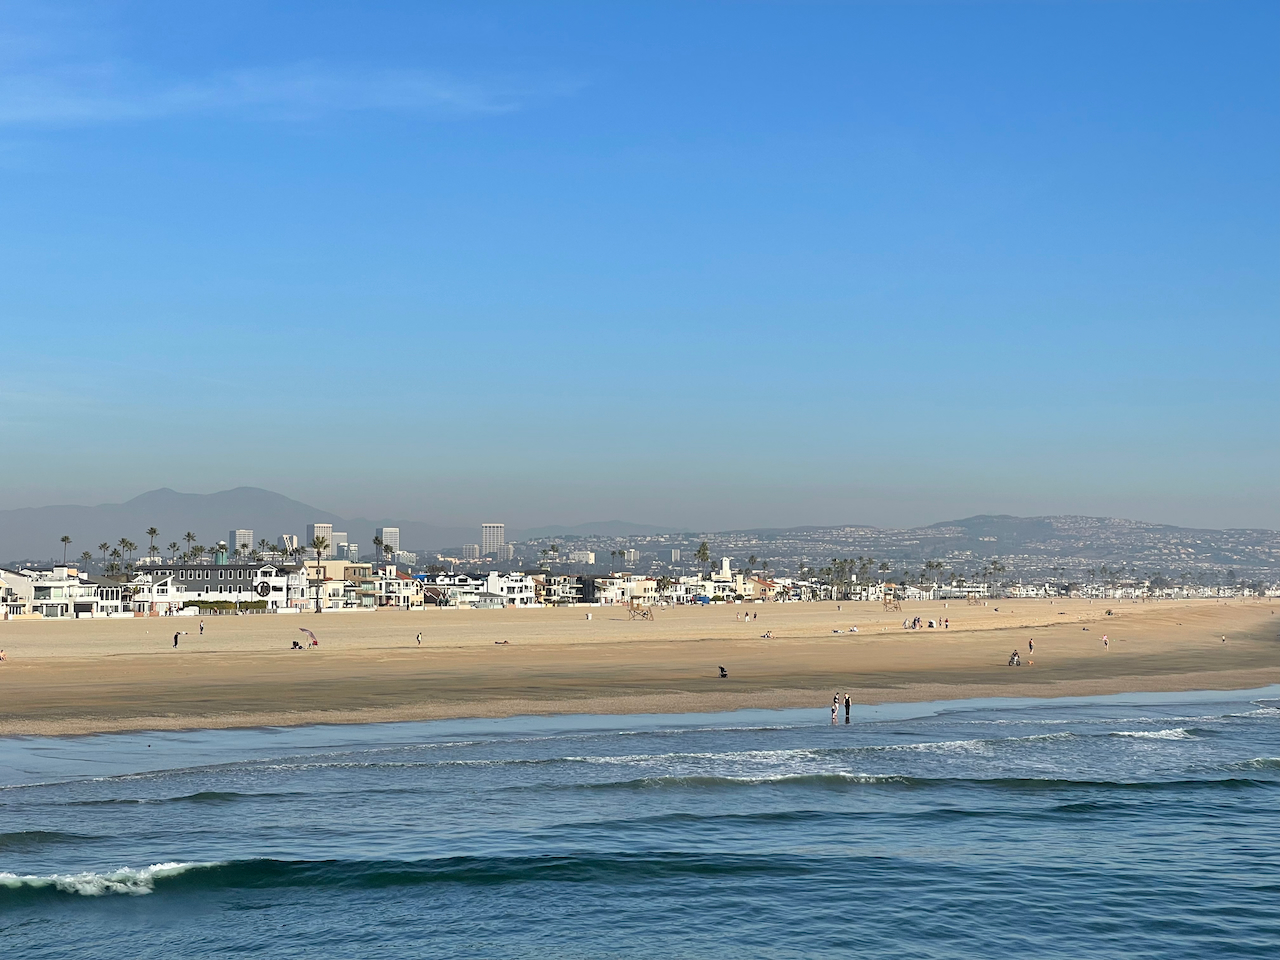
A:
x,y
723,673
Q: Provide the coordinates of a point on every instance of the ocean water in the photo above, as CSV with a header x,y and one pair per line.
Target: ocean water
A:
x,y
1141,826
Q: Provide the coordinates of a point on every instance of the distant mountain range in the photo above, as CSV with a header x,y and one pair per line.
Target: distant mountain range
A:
x,y
33,533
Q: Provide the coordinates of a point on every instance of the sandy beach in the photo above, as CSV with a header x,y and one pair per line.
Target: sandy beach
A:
x,y
67,677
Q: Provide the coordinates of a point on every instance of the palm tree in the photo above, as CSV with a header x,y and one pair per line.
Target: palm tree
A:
x,y
85,558
262,545
104,547
704,553
319,545
377,548
386,548
764,567
65,541
173,550
152,532
190,538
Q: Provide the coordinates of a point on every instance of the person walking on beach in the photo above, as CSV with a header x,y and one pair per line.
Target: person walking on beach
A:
x,y
1031,645
1106,644
180,633
201,628
419,638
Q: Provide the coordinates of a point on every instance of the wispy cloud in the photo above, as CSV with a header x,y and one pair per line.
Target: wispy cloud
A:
x,y
115,92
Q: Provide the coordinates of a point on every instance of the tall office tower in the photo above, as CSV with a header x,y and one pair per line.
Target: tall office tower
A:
x,y
321,530
492,536
240,538
471,551
506,552
335,539
287,542
349,551
390,537
631,556
675,557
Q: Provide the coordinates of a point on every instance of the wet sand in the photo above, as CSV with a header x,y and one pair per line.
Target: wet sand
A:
x,y
67,677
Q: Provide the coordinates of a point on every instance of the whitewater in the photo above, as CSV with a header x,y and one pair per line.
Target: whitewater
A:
x,y
1139,825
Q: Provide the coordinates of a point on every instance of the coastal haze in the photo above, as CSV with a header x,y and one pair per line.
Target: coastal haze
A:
x,y
1061,549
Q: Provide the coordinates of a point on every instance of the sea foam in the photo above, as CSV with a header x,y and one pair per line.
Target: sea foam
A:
x,y
127,880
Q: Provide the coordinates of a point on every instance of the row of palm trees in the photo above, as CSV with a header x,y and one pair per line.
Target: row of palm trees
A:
x,y
118,558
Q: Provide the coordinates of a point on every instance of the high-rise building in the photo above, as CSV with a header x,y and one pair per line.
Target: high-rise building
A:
x,y
505,552
348,551
631,556
324,530
287,542
492,536
582,556
471,551
675,556
238,539
390,537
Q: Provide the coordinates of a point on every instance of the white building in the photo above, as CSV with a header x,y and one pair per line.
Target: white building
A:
x,y
631,556
238,539
516,589
287,542
324,530
582,556
399,590
390,537
229,583
471,551
492,536
58,592
673,556
347,551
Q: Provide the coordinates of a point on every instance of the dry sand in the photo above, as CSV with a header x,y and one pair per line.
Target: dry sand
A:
x,y
82,676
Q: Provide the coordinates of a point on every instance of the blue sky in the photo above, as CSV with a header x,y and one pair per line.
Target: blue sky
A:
x,y
706,265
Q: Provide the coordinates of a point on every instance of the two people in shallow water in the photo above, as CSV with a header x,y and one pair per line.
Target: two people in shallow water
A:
x,y
835,708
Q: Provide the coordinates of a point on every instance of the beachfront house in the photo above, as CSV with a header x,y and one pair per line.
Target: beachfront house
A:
x,y
58,592
516,589
190,584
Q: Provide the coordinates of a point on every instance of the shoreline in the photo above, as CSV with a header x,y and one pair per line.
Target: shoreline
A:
x,y
660,704
89,677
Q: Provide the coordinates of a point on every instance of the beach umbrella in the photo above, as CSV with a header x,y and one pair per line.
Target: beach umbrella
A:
x,y
311,635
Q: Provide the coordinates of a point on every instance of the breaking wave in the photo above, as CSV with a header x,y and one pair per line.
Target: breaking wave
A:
x,y
126,880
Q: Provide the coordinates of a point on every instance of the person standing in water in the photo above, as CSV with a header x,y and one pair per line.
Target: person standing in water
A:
x,y
846,708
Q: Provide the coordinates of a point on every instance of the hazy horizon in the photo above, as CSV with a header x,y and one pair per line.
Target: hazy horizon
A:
x,y
523,525
695,265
